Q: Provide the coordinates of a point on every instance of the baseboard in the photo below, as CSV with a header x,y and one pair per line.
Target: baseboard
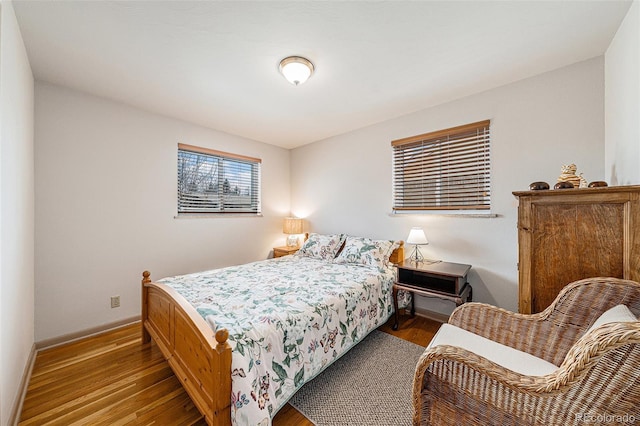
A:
x,y
435,316
72,337
14,418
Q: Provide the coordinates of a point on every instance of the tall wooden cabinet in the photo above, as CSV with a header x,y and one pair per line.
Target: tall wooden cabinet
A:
x,y
568,234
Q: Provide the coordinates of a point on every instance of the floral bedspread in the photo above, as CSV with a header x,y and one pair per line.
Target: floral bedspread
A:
x,y
288,318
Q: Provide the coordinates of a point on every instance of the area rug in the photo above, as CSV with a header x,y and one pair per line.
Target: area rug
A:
x,y
370,385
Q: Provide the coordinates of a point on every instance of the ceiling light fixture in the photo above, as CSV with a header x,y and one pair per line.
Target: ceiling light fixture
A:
x,y
296,69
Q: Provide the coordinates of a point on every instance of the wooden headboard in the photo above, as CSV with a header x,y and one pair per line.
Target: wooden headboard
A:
x,y
397,255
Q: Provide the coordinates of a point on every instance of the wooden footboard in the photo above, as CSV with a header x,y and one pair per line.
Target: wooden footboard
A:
x,y
202,363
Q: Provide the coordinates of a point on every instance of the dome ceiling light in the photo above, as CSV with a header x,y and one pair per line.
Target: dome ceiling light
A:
x,y
296,69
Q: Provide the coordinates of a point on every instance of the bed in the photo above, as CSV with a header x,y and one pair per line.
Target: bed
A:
x,y
278,323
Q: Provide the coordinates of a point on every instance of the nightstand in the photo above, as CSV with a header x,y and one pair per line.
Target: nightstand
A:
x,y
284,250
443,280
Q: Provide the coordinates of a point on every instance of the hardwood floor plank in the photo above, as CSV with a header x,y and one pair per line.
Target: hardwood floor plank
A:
x,y
289,416
104,396
173,411
113,379
56,353
417,329
73,382
123,410
102,353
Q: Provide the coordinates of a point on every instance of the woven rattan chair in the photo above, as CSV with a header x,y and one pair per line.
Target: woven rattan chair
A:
x,y
597,380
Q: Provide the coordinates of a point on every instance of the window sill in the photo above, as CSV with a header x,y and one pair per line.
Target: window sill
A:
x,y
447,214
215,215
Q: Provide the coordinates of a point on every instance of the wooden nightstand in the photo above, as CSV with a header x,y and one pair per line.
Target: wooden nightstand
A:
x,y
443,280
284,250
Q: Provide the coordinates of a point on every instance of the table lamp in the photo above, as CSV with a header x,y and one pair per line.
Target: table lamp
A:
x,y
418,238
292,227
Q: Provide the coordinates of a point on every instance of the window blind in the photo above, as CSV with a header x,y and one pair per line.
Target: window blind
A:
x,y
211,181
444,170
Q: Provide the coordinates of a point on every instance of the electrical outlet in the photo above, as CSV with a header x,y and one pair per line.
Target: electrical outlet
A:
x,y
115,301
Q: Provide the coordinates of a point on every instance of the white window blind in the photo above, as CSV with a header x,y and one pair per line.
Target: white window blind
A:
x,y
444,170
212,181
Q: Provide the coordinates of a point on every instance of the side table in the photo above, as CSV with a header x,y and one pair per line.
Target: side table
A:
x,y
284,250
443,280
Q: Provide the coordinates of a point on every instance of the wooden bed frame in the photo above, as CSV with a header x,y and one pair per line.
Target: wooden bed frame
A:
x,y
201,363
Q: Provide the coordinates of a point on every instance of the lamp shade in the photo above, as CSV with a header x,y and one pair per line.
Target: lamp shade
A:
x,y
292,225
296,69
417,236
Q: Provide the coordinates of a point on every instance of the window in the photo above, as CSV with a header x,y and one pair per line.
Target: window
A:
x,y
211,181
444,170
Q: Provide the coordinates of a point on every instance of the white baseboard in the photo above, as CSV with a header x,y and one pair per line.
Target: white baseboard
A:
x,y
16,410
435,316
71,337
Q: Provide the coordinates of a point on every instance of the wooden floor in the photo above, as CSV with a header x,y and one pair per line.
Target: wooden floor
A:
x,y
112,379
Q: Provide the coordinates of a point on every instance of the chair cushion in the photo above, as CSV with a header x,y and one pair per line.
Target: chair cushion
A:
x,y
619,313
510,358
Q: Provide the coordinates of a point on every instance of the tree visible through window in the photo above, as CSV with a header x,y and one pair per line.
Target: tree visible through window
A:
x,y
444,170
211,181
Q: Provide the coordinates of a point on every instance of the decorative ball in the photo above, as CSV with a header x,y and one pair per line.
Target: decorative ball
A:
x,y
563,185
598,184
222,335
538,186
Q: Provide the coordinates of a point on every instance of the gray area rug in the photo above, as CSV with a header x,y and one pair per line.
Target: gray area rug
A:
x,y
370,385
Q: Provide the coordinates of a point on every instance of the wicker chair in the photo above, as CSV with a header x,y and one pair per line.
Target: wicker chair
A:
x,y
597,380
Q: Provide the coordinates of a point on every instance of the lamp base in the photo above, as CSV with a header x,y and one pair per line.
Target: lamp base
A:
x,y
417,257
292,241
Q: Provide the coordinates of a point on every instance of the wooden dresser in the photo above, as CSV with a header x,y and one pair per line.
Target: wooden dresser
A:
x,y
568,234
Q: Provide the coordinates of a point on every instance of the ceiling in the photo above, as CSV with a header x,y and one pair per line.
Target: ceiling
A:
x,y
215,63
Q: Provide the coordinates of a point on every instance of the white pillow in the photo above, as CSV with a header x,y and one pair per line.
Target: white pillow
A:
x,y
619,313
506,356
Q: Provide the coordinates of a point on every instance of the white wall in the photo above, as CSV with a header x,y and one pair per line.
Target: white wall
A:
x,y
16,211
343,184
622,102
105,205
